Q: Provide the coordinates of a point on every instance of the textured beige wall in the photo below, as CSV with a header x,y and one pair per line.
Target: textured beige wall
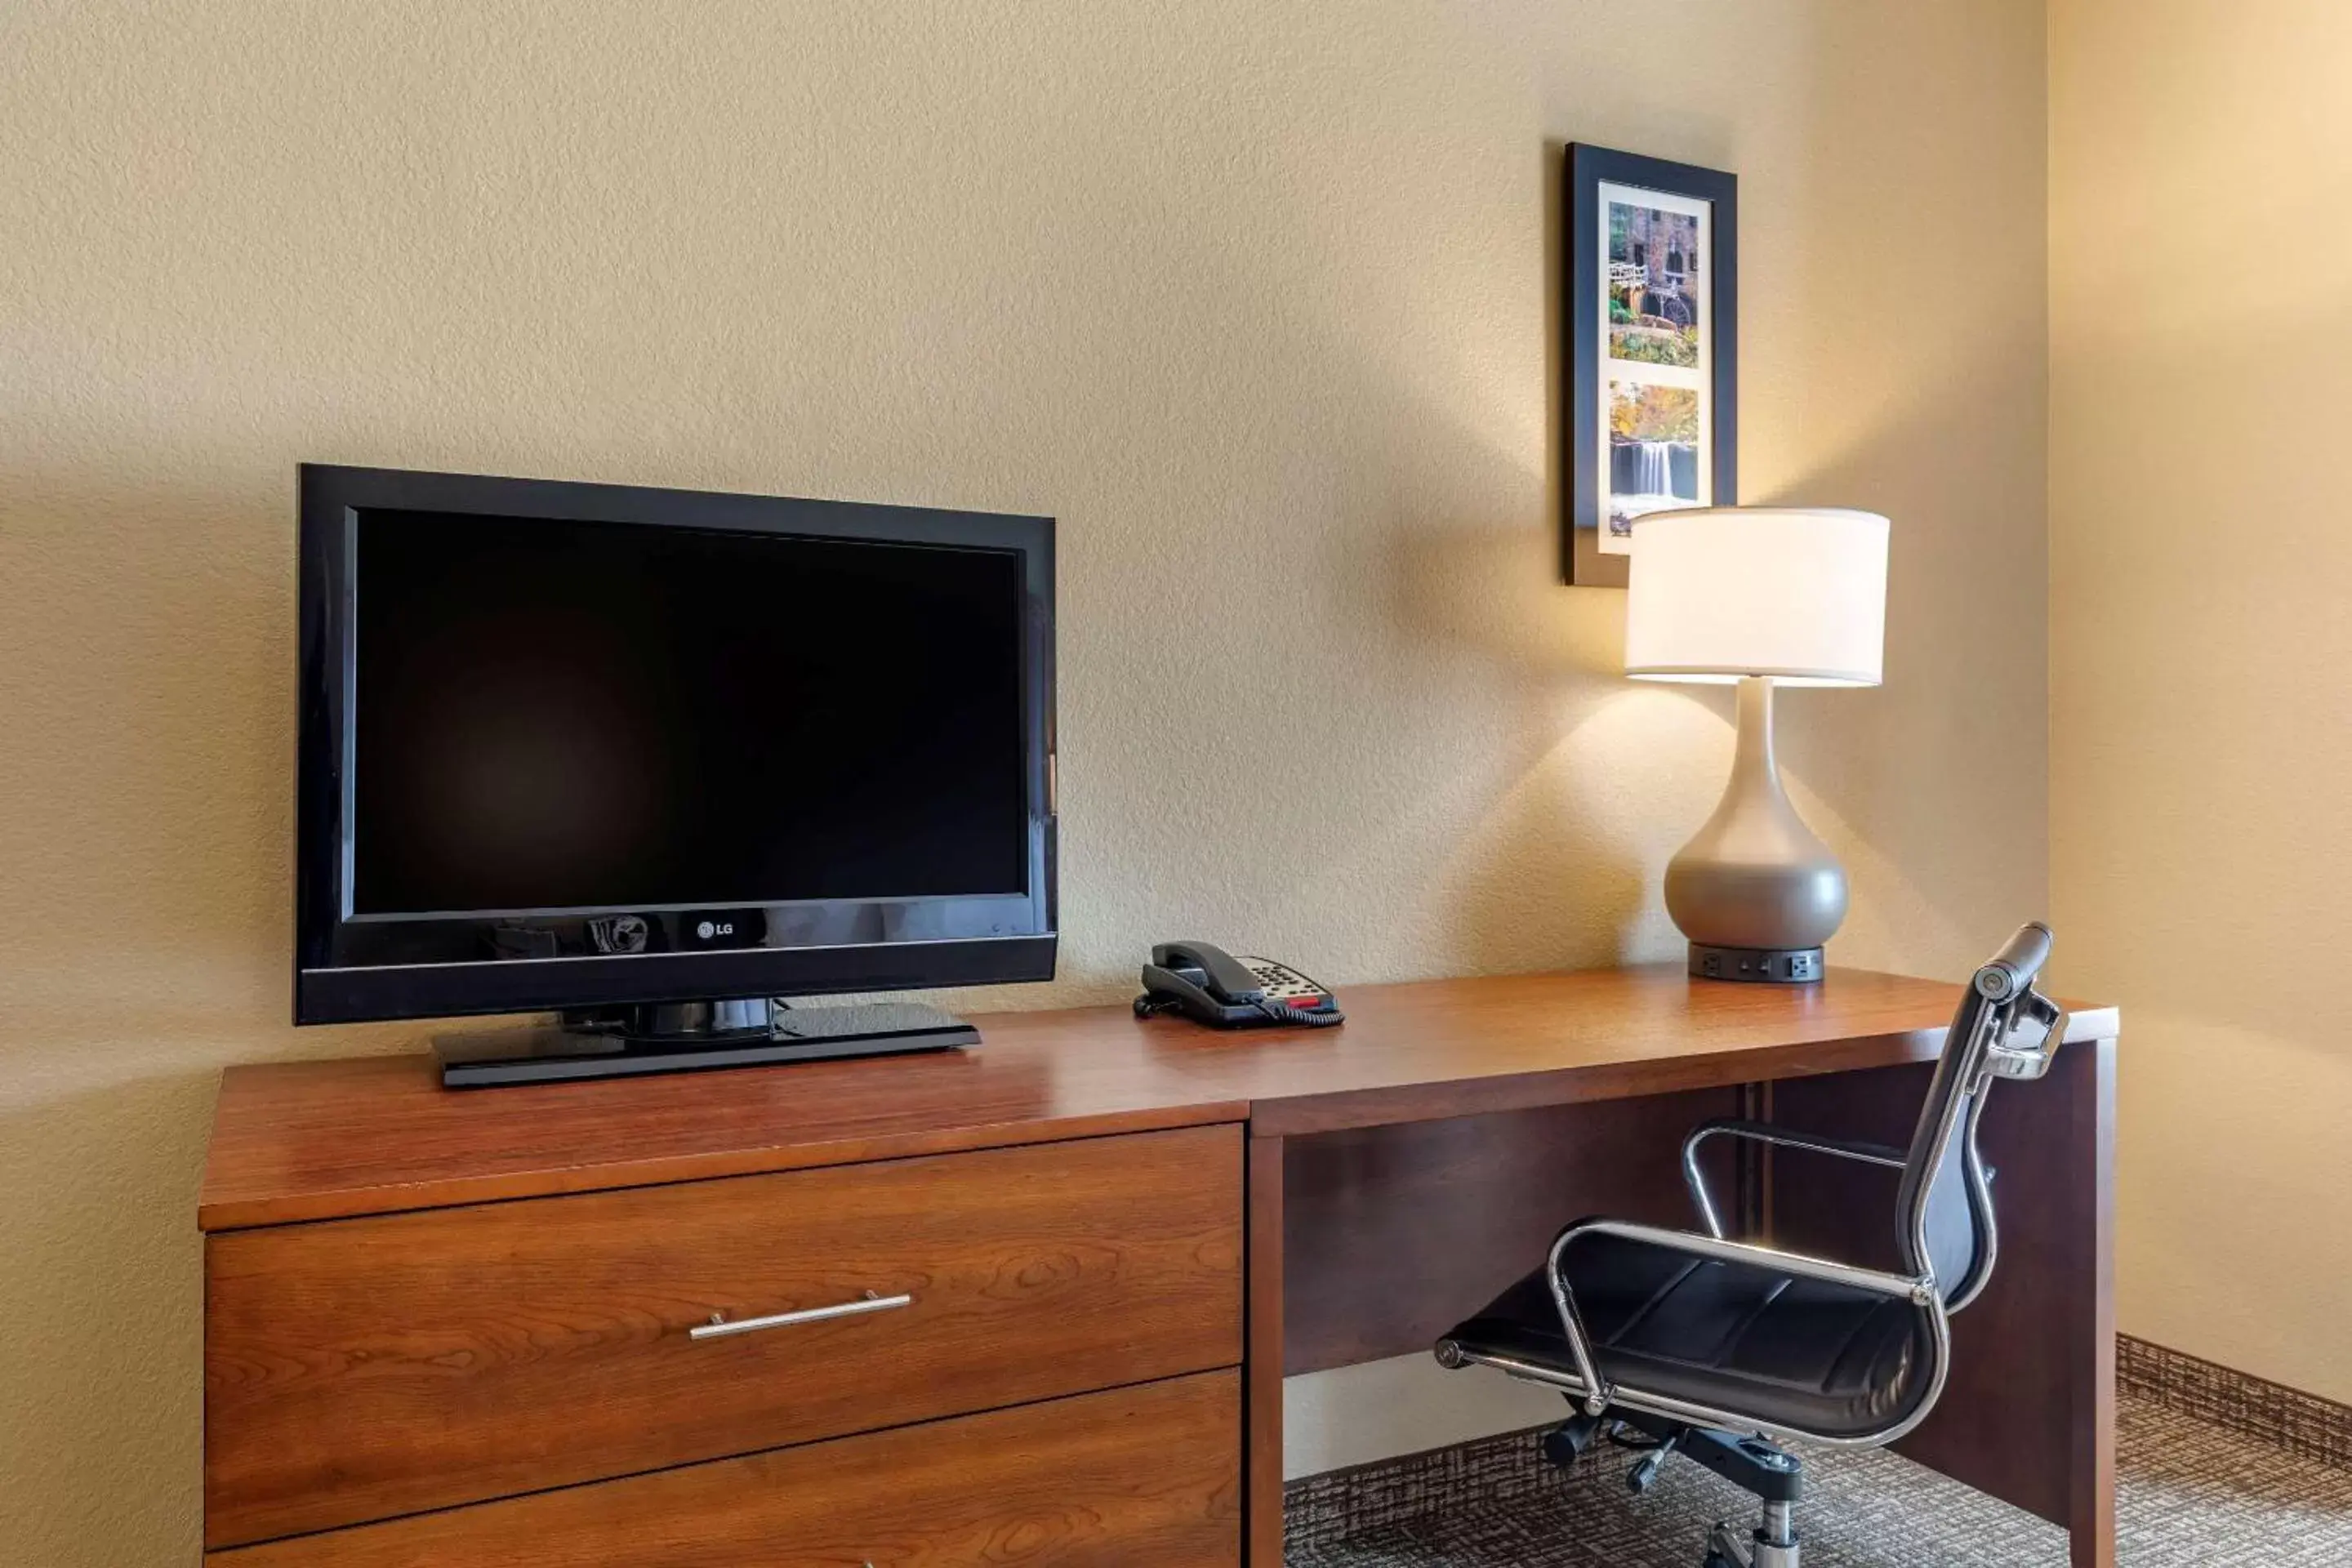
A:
x,y
2201,574
1253,297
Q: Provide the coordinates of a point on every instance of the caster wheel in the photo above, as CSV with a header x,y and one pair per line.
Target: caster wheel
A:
x,y
1566,1442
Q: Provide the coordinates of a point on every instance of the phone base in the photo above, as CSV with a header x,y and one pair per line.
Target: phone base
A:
x,y
1765,966
792,1035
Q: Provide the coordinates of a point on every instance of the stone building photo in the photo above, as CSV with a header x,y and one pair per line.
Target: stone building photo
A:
x,y
1654,286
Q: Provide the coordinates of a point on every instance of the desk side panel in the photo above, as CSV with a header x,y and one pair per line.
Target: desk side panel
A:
x,y
2027,1415
1393,1235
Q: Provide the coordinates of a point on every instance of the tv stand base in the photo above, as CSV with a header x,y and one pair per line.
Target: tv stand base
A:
x,y
792,1035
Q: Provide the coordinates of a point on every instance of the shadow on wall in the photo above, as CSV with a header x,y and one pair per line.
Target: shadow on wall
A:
x,y
142,853
103,1281
1407,808
1919,889
147,789
1532,836
1543,871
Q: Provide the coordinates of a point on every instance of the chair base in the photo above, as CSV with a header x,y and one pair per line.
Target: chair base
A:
x,y
1769,1473
1725,1549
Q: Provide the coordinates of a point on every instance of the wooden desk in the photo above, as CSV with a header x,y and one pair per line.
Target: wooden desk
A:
x,y
1433,1145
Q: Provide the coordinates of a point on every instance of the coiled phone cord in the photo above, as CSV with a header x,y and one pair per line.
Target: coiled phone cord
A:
x,y
1281,1014
1149,1006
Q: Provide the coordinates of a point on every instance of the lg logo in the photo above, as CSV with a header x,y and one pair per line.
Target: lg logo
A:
x,y
709,928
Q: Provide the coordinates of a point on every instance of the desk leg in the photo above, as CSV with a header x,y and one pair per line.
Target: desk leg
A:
x,y
1262,1361
2087,1072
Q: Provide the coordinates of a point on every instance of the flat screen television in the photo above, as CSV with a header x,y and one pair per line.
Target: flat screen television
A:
x,y
649,758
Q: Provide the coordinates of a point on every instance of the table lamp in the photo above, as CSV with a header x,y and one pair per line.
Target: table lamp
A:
x,y
1762,596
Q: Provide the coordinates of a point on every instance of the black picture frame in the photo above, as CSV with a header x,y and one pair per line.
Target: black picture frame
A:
x,y
1589,557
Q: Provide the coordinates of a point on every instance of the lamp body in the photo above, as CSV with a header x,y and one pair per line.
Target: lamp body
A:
x,y
1755,881
1793,595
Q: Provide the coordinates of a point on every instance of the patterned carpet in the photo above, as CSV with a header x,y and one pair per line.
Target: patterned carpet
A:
x,y
2190,1494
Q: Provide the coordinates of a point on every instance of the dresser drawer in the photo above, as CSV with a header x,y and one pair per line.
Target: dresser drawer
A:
x,y
1137,1476
359,1369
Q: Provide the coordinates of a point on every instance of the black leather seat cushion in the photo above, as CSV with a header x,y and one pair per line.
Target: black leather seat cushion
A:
x,y
1795,1353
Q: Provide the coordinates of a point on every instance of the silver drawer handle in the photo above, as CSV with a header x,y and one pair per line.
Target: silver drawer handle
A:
x,y
718,1328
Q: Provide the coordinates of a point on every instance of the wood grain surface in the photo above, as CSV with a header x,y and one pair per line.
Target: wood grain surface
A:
x,y
1393,1235
1139,1476
324,1140
359,1369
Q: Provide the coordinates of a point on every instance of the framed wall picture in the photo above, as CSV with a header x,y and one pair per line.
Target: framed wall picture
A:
x,y
1651,314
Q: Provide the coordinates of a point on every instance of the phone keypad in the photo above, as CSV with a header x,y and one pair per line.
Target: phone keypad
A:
x,y
1284,984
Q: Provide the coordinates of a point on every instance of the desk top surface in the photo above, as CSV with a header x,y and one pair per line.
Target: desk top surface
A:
x,y
305,1140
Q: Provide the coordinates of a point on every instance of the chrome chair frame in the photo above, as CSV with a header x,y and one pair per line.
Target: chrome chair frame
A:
x,y
1595,1395
1990,1035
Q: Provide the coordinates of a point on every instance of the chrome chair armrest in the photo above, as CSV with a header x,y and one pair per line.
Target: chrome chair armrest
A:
x,y
1710,1249
1766,1133
2031,1043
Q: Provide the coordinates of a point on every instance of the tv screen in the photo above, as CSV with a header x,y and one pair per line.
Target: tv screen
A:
x,y
572,745
555,717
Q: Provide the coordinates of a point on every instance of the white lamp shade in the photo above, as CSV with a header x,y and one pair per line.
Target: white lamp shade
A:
x,y
1795,592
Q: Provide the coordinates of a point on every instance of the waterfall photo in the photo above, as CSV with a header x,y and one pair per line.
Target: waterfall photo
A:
x,y
1654,450
1651,341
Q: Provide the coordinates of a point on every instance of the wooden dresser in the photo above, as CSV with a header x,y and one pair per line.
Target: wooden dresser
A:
x,y
1029,1306
1024,1354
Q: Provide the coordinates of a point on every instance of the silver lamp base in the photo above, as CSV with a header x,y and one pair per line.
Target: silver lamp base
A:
x,y
1755,891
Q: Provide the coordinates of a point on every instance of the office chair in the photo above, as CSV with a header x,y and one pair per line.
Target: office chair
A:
x,y
1689,1342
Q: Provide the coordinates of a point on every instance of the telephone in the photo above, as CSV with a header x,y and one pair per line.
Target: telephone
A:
x,y
1211,987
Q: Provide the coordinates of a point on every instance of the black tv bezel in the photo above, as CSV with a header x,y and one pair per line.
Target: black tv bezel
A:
x,y
330,990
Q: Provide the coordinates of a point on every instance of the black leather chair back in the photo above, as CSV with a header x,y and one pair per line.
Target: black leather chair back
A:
x,y
1945,1204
